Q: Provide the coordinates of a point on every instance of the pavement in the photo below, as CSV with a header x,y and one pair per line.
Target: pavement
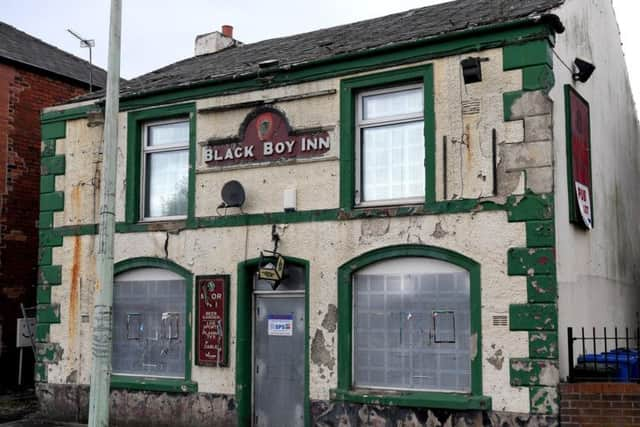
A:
x,y
18,408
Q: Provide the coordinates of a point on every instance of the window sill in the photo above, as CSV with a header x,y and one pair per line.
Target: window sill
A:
x,y
153,384
434,400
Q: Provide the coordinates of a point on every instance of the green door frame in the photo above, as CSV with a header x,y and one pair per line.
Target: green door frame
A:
x,y
244,344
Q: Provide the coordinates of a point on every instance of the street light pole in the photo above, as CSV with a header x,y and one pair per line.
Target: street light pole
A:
x,y
103,299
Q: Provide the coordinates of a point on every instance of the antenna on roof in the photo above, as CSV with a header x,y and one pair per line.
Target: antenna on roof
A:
x,y
86,43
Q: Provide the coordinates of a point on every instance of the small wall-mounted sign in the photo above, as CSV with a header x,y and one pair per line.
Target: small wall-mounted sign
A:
x,y
212,320
579,159
280,325
265,136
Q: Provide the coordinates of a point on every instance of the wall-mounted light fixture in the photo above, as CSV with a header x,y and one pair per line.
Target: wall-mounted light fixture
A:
x,y
472,69
582,70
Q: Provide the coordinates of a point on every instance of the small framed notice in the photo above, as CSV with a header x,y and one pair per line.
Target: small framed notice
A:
x,y
280,325
212,320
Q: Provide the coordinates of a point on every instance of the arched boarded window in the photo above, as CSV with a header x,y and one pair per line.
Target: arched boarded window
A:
x,y
411,326
409,330
149,318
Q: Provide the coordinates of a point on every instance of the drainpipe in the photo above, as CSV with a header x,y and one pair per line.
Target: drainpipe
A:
x,y
103,298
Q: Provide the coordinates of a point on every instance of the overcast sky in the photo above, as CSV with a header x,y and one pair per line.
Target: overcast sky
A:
x,y
158,32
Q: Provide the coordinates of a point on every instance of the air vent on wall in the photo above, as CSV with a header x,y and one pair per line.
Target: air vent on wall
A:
x,y
500,320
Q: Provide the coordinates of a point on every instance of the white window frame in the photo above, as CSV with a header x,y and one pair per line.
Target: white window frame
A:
x,y
147,149
362,124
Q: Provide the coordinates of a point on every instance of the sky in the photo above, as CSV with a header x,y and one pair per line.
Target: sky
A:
x,y
156,33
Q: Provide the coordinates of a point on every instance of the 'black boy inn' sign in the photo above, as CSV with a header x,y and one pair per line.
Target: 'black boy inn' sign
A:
x,y
265,136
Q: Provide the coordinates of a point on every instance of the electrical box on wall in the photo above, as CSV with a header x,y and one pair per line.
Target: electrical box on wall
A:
x,y
289,201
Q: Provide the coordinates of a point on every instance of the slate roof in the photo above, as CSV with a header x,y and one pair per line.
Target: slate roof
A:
x,y
322,44
18,46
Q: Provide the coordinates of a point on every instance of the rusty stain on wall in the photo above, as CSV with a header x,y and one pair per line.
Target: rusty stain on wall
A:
x,y
74,293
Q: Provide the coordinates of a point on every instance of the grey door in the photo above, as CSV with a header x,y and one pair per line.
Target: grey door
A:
x,y
279,357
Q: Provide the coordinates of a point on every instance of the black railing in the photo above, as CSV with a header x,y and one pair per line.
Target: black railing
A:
x,y
610,357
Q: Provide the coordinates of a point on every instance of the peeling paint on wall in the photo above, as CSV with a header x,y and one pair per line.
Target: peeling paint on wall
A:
x,y
320,355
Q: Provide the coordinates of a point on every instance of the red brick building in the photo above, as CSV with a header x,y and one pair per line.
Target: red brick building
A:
x,y
33,75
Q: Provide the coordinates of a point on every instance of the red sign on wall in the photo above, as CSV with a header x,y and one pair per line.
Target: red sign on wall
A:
x,y
579,139
212,320
266,136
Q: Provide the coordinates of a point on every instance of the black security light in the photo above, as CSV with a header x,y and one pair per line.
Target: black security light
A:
x,y
471,70
583,70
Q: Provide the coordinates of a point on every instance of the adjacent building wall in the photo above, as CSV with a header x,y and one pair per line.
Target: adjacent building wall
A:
x,y
598,270
23,94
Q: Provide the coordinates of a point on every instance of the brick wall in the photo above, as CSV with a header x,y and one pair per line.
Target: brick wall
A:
x,y
599,405
23,94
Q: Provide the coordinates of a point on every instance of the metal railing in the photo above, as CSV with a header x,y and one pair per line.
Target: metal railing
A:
x,y
609,357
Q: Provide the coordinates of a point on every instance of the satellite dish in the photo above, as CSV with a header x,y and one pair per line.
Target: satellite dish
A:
x,y
233,194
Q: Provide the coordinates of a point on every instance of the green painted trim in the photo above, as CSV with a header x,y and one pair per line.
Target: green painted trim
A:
x,y
532,207
543,345
541,234
50,202
48,148
45,256
542,289
53,130
42,333
536,52
348,90
68,114
518,209
135,121
149,262
544,400
508,100
47,184
533,372
43,294
345,304
40,372
416,400
45,220
533,317
538,77
531,261
244,345
460,42
48,313
50,275
574,212
153,384
54,165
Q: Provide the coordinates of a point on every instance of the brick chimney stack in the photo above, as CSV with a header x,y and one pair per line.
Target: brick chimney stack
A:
x,y
215,41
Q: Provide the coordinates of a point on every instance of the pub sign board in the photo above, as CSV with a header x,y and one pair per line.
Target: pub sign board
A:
x,y
212,320
265,136
579,159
